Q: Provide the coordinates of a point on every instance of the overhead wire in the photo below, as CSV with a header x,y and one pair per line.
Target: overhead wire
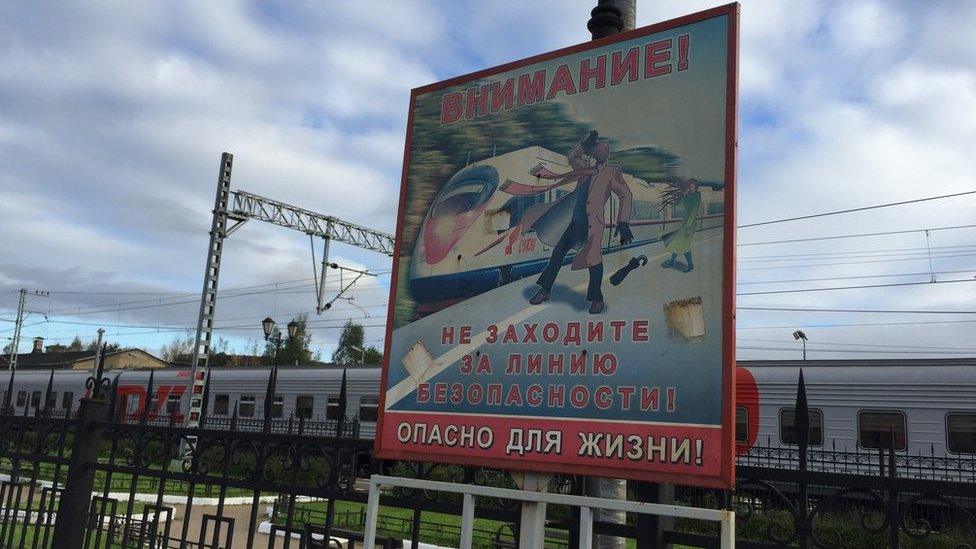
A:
x,y
861,287
858,209
864,311
772,267
851,277
857,235
858,351
854,344
852,324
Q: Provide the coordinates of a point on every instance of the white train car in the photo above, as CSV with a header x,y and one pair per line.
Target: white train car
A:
x,y
306,392
924,407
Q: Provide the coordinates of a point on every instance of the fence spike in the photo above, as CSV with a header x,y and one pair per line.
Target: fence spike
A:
x,y
7,408
343,402
269,397
113,399
801,420
148,401
47,394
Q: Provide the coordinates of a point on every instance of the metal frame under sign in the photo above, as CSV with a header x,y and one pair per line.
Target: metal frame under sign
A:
x,y
725,517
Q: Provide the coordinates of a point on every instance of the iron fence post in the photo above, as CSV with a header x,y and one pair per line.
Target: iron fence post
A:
x,y
801,424
893,511
73,515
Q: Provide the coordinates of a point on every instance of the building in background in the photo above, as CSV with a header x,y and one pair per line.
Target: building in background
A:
x,y
122,359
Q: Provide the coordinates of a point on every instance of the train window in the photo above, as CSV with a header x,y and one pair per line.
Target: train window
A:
x,y
35,399
52,400
21,398
466,190
961,433
332,407
304,405
368,408
221,404
246,406
787,427
741,424
878,429
277,406
714,208
173,403
67,400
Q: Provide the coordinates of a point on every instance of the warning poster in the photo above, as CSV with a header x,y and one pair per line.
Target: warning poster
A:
x,y
563,286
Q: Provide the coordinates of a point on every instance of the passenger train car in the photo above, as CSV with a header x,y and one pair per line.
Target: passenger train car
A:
x,y
477,234
301,392
924,406
927,406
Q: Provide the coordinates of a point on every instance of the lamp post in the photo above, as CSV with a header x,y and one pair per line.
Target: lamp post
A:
x,y
273,334
800,336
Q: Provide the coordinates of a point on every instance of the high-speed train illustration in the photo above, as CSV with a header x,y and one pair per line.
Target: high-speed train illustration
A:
x,y
477,233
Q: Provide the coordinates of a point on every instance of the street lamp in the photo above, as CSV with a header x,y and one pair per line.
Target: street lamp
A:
x,y
800,336
273,334
268,325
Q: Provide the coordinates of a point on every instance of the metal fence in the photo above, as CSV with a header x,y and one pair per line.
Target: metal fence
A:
x,y
919,465
89,480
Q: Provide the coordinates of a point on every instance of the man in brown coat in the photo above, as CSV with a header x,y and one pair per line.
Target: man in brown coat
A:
x,y
585,229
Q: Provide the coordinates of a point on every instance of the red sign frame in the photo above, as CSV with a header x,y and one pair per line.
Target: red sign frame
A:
x,y
726,477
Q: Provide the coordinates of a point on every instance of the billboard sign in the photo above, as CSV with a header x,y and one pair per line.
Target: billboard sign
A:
x,y
563,285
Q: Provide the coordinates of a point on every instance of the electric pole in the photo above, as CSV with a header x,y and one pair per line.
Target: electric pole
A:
x,y
17,324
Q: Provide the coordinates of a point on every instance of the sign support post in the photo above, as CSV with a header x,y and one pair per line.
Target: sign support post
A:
x,y
532,523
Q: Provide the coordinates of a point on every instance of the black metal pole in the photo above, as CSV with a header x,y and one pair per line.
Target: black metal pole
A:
x,y
70,525
608,18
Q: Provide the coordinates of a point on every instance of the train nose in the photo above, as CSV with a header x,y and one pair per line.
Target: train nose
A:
x,y
458,205
443,231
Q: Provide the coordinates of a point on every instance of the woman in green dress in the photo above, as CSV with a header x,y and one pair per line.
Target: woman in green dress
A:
x,y
683,194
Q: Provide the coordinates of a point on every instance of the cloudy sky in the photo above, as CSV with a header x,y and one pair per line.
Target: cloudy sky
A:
x,y
113,116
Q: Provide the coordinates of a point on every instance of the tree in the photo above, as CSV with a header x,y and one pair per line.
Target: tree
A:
x,y
293,350
354,335
373,355
219,354
75,345
180,350
109,347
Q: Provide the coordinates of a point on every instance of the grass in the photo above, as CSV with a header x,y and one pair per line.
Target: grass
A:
x,y
122,482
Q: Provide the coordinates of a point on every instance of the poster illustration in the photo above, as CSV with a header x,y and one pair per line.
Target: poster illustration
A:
x,y
563,289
